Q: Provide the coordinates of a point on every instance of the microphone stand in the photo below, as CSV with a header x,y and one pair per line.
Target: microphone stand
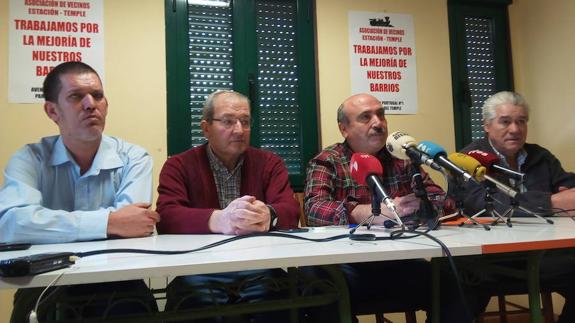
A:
x,y
375,211
459,205
489,206
514,204
426,212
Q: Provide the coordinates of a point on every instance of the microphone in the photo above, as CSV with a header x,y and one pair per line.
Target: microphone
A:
x,y
490,161
472,165
366,170
403,146
469,164
439,156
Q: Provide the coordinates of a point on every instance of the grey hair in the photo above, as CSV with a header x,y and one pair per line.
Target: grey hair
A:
x,y
208,107
504,97
341,117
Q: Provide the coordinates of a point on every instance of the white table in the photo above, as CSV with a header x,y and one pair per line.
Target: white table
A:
x,y
251,253
274,252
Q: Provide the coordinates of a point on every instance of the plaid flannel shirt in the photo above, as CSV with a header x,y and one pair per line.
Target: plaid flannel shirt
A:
x,y
331,194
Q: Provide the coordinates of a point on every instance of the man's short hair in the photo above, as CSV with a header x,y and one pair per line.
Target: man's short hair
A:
x,y
53,84
341,117
504,97
208,108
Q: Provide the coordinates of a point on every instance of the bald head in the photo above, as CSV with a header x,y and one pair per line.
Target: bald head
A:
x,y
361,121
354,101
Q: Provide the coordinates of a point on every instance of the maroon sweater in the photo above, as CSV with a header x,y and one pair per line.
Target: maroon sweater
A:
x,y
188,194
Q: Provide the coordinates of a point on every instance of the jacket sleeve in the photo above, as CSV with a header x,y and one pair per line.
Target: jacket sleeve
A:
x,y
321,205
177,214
279,195
559,177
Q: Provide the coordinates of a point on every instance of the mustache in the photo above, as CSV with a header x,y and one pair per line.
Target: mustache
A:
x,y
378,130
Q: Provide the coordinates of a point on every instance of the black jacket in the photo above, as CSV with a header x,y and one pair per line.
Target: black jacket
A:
x,y
543,177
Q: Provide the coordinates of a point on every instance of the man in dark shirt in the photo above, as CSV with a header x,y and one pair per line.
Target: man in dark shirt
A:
x,y
547,187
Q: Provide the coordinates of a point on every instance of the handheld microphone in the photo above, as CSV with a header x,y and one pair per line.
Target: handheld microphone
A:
x,y
366,170
403,146
439,156
469,164
472,165
490,161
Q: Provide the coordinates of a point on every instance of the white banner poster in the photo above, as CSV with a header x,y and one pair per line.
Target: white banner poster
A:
x,y
382,53
45,33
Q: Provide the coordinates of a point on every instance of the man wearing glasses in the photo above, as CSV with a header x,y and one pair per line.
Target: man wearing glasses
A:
x,y
224,186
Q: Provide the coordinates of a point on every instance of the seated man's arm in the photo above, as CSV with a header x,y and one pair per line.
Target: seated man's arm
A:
x,y
177,212
548,187
322,206
563,183
279,195
23,218
436,195
131,215
564,200
243,215
180,214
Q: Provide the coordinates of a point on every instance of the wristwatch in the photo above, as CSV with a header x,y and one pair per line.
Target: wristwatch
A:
x,y
273,217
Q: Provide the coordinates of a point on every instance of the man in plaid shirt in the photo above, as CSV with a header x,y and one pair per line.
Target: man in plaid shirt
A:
x,y
332,197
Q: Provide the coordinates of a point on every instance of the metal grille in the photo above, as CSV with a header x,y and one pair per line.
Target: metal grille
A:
x,y
210,36
278,82
480,68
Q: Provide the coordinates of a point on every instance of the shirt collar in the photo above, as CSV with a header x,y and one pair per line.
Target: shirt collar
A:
x,y
60,153
217,164
383,154
106,158
521,157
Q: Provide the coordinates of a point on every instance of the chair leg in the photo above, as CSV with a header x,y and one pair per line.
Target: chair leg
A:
x,y
410,317
547,303
379,318
502,309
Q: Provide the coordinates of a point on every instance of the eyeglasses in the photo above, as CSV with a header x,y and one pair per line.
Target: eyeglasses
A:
x,y
231,122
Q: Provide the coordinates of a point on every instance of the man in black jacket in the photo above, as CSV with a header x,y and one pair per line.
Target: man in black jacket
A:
x,y
546,188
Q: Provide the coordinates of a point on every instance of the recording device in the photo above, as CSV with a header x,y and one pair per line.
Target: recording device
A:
x,y
366,170
14,246
36,264
440,156
403,146
490,161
